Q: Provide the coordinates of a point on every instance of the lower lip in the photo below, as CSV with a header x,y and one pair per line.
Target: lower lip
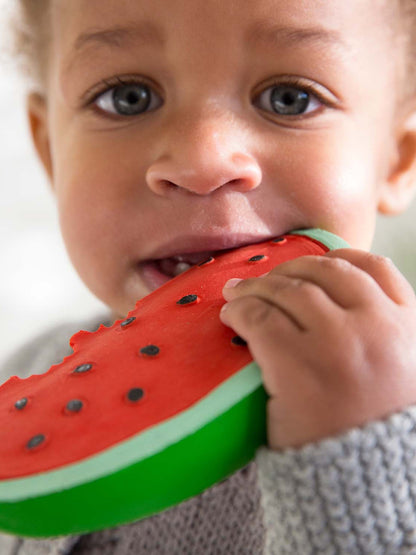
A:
x,y
152,276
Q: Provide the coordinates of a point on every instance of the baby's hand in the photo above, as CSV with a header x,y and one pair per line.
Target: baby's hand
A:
x,y
335,338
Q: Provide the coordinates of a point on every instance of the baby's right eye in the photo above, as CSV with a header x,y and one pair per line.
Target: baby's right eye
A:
x,y
128,99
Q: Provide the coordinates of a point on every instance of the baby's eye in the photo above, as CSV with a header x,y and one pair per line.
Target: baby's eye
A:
x,y
288,100
129,99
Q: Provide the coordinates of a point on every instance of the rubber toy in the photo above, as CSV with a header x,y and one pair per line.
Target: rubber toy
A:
x,y
144,414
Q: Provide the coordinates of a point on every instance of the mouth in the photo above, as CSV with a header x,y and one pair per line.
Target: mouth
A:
x,y
172,259
159,271
176,265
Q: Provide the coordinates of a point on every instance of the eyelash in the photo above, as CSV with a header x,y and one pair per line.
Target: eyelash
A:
x,y
301,85
105,85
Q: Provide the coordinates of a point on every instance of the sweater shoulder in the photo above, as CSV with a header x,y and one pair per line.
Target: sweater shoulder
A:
x,y
49,347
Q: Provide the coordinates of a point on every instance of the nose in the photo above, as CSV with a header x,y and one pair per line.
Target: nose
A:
x,y
201,155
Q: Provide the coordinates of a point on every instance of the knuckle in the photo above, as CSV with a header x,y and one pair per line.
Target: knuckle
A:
x,y
385,263
282,285
297,286
276,282
308,289
378,262
254,312
334,263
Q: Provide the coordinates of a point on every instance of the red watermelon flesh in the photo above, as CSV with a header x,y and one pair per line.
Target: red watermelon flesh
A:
x,y
171,351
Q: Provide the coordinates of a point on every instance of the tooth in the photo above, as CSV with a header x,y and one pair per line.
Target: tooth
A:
x,y
180,268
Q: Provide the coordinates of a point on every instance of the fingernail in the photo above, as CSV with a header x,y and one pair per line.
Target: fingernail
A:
x,y
232,283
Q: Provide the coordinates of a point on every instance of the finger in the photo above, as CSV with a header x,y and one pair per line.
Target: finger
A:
x,y
305,303
345,283
382,270
272,337
248,313
275,343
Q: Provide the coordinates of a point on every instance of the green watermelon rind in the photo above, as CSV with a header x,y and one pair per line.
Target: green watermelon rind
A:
x,y
330,240
232,415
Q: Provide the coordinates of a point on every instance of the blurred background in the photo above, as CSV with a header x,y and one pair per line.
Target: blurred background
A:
x,y
38,286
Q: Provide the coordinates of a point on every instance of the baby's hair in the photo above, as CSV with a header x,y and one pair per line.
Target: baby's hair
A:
x,y
31,31
30,41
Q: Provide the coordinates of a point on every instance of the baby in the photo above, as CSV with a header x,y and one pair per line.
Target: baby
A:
x,y
172,129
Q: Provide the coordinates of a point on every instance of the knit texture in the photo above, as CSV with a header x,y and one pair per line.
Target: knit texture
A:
x,y
354,494
226,518
49,347
58,546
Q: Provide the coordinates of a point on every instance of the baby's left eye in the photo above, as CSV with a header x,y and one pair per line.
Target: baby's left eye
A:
x,y
288,100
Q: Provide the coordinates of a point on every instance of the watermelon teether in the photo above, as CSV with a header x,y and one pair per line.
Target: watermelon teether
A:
x,y
144,414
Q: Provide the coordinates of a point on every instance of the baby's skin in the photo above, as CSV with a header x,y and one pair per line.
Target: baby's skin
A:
x,y
174,127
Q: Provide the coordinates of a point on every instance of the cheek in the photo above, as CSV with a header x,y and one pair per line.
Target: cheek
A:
x,y
90,204
333,184
89,241
91,189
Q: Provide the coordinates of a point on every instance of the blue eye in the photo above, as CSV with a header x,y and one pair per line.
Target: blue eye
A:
x,y
288,100
129,99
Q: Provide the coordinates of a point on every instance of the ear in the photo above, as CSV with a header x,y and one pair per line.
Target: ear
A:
x,y
38,122
399,188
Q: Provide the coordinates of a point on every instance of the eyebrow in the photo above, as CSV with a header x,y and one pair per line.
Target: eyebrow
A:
x,y
264,32
115,36
144,32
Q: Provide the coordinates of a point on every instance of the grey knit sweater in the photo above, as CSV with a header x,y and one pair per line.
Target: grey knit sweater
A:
x,y
353,494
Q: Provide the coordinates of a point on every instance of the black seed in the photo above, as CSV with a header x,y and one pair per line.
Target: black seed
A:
x,y
21,403
279,240
237,340
135,394
75,405
150,350
187,299
127,322
207,261
82,368
256,258
35,441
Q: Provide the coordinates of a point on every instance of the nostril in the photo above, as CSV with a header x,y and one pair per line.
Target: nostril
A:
x,y
163,186
164,178
167,183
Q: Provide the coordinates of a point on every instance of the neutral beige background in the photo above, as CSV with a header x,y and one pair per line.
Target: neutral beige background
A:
x,y
38,287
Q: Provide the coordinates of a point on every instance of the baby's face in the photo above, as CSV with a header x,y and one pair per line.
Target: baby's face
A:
x,y
188,126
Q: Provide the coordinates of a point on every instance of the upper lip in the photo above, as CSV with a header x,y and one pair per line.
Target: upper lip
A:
x,y
191,244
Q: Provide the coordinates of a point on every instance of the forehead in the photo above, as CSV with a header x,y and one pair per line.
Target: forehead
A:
x,y
227,19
